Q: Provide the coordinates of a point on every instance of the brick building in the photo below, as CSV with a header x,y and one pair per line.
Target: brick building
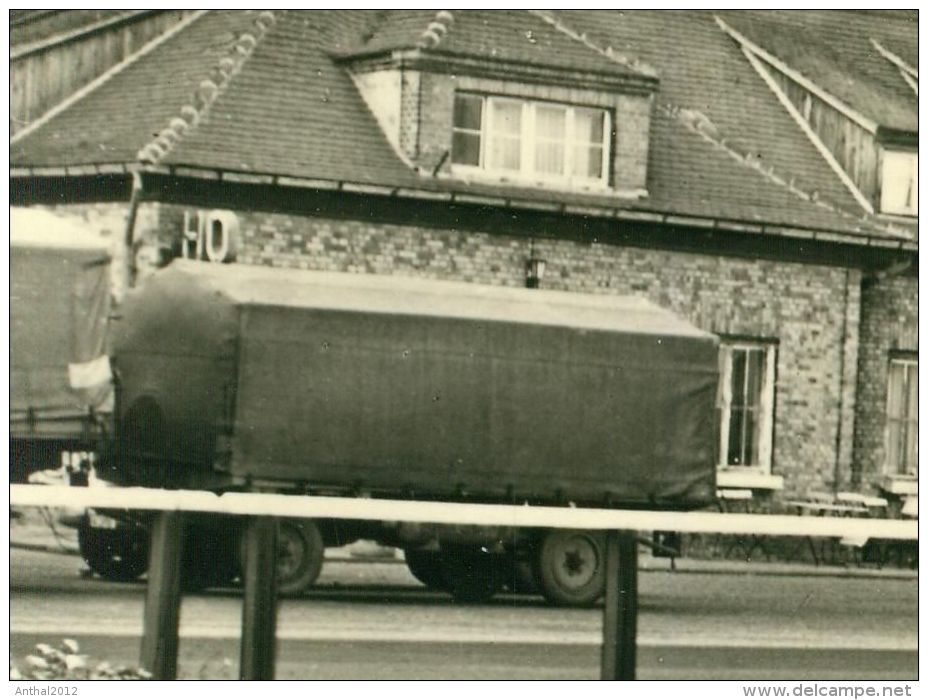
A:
x,y
754,172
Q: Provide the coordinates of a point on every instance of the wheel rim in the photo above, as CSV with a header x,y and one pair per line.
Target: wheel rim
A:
x,y
575,562
291,553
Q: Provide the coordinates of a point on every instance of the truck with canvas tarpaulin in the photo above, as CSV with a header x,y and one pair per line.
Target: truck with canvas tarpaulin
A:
x,y
237,377
59,374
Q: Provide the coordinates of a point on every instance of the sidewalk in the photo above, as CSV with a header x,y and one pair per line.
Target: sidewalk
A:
x,y
740,567
32,533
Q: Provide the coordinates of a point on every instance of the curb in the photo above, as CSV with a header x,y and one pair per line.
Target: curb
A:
x,y
709,570
798,572
52,549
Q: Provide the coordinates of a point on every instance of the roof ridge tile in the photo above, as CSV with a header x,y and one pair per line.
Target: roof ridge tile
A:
x,y
437,30
620,59
207,91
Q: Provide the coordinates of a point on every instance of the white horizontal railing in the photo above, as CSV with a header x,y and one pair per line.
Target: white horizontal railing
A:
x,y
459,513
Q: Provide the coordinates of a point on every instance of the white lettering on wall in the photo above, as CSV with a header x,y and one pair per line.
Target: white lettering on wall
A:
x,y
210,235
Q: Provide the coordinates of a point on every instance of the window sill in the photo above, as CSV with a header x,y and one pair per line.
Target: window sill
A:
x,y
481,176
748,479
899,485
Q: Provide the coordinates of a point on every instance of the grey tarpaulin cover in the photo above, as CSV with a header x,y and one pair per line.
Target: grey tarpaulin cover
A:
x,y
412,386
59,304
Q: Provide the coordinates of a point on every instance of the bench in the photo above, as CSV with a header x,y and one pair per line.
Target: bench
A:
x,y
881,551
840,504
858,499
818,508
735,500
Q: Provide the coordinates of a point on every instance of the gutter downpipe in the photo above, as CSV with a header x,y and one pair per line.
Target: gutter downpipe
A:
x,y
128,242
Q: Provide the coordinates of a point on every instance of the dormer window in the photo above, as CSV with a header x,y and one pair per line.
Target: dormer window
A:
x,y
899,188
508,99
532,141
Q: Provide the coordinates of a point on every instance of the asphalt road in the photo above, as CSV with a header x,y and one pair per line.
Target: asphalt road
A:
x,y
375,621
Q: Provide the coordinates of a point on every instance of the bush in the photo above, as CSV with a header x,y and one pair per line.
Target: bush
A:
x,y
65,662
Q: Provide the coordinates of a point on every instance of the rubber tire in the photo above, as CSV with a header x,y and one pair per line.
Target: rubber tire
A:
x,y
209,558
300,553
115,555
563,555
521,578
471,574
425,565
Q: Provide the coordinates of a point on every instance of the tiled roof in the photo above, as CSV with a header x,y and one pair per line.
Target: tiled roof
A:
x,y
503,35
722,147
396,29
834,51
906,48
113,122
703,71
313,124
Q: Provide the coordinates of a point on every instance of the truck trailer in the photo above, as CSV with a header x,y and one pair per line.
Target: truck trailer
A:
x,y
239,377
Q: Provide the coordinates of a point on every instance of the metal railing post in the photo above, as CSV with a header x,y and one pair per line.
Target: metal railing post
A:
x,y
259,608
620,612
163,597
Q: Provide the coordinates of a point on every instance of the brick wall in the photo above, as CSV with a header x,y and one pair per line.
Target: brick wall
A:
x,y
889,321
409,114
630,163
801,306
434,113
851,359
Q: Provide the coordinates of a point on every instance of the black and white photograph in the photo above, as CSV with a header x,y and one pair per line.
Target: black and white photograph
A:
x,y
464,345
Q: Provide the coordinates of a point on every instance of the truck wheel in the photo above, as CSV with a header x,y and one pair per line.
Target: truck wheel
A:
x,y
571,567
209,558
471,574
116,555
300,552
425,565
521,577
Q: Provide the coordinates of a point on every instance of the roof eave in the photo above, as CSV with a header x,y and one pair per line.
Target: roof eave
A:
x,y
439,61
618,213
79,170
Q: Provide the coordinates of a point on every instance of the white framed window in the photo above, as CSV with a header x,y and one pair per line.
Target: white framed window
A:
x,y
467,135
899,183
902,417
531,141
504,135
747,374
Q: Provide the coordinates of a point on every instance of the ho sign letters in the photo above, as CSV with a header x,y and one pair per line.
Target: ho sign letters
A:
x,y
210,235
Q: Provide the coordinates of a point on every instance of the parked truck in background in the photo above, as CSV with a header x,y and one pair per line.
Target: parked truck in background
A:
x,y
237,377
59,302
61,397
